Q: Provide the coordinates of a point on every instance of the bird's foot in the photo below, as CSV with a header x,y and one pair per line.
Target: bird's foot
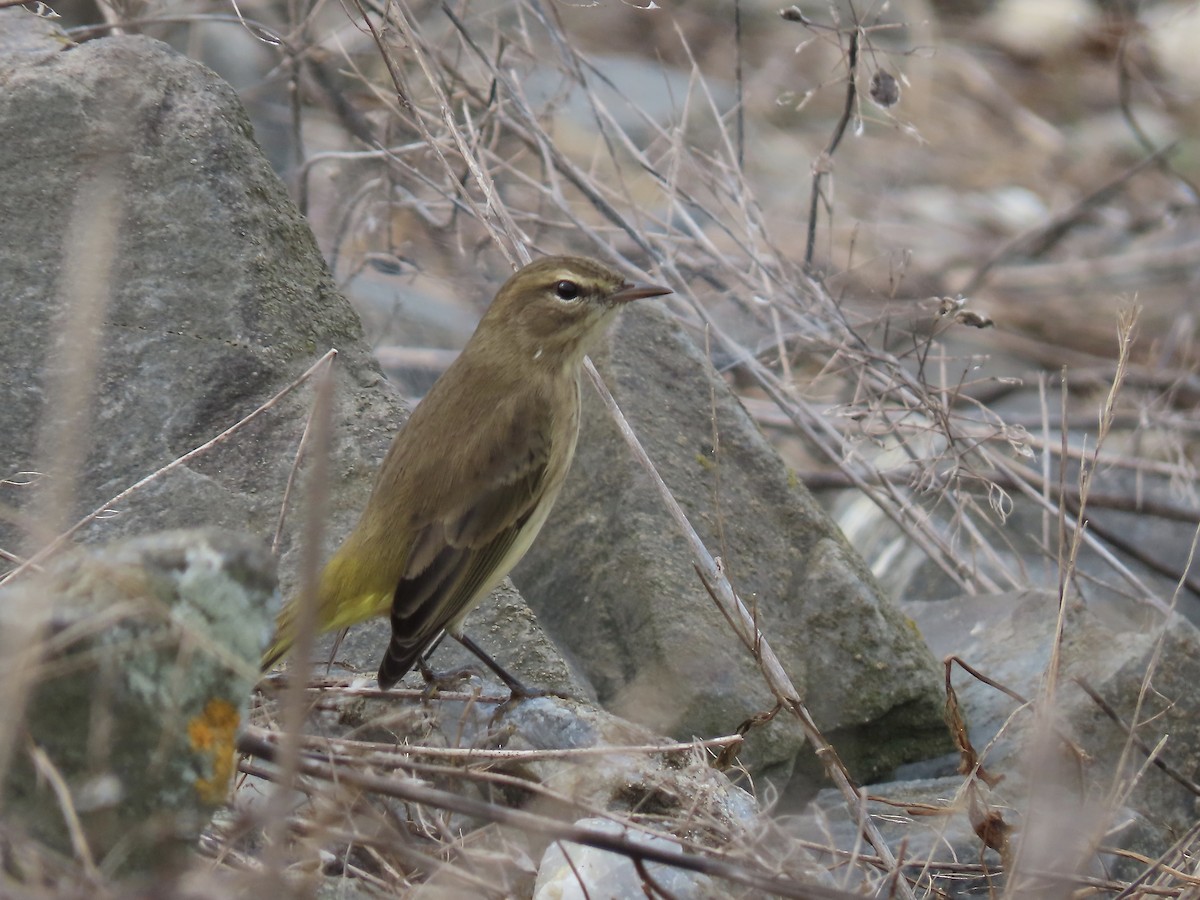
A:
x,y
446,680
518,692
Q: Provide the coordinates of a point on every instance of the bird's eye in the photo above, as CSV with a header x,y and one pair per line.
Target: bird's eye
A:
x,y
566,290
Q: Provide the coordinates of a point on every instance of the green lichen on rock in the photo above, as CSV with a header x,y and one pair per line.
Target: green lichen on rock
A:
x,y
148,654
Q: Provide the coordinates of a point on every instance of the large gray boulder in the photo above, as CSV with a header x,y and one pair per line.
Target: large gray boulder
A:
x,y
612,579
216,297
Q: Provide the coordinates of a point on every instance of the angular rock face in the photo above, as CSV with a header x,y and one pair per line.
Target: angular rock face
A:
x,y
1144,672
1070,789
136,200
613,581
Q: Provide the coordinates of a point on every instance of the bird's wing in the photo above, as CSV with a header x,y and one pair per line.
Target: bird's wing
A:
x,y
454,557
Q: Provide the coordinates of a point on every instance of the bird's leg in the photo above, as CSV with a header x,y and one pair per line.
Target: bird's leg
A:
x,y
441,681
519,690
337,644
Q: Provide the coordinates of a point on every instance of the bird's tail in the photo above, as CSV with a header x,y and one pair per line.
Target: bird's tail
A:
x,y
344,598
398,661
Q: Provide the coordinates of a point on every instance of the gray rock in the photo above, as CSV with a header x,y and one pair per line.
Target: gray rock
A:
x,y
572,872
587,759
612,580
928,823
624,781
149,656
217,298
1066,790
1009,638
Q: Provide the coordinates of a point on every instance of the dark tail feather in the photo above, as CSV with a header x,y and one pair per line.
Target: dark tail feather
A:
x,y
398,662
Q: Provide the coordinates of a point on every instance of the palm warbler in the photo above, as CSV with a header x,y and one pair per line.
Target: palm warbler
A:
x,y
470,478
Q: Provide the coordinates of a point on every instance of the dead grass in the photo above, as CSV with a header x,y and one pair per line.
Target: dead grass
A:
x,y
458,139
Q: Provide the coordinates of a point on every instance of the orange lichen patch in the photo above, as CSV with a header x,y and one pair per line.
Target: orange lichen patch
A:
x,y
212,734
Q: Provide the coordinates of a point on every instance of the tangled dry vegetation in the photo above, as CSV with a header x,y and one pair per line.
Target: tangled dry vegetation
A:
x,y
945,276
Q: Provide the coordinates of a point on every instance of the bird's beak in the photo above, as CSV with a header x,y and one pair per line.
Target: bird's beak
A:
x,y
629,292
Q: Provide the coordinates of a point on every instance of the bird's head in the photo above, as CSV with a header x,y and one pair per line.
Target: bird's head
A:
x,y
552,308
